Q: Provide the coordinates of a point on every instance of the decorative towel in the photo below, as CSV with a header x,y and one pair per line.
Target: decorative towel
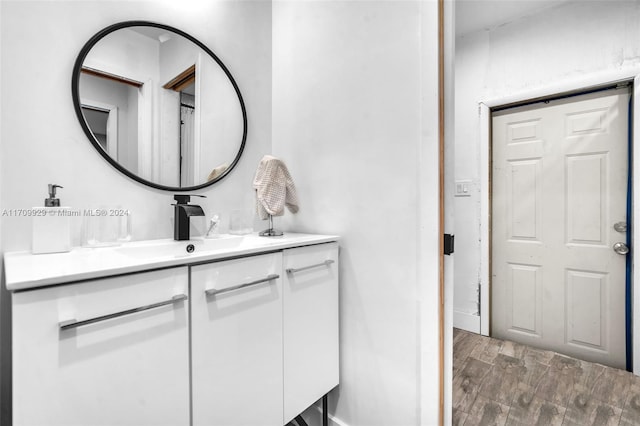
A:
x,y
274,188
217,171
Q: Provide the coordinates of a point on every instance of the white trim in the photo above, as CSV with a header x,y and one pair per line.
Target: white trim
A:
x,y
466,321
485,219
112,132
585,83
112,123
448,56
197,125
580,83
146,115
334,421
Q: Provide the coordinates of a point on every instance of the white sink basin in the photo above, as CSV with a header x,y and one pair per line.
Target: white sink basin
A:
x,y
24,270
170,248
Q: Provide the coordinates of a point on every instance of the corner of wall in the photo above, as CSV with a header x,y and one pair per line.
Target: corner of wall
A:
x,y
5,297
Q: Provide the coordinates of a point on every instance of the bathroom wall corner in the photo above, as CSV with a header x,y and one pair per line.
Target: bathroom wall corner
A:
x,y
5,296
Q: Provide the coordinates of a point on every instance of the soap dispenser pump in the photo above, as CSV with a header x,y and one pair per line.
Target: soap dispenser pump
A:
x,y
51,225
52,201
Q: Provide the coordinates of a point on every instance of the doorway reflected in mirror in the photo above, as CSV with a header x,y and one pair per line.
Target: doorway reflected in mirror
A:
x,y
176,118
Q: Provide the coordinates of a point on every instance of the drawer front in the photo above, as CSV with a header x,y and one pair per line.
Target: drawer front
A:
x,y
121,359
310,322
228,276
237,341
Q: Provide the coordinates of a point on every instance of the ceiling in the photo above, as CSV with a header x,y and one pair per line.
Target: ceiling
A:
x,y
476,15
157,34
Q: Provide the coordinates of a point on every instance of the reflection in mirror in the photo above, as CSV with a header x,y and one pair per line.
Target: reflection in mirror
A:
x,y
159,105
110,108
187,122
98,120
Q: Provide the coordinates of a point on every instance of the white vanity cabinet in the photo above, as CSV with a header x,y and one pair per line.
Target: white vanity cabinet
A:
x,y
112,351
236,331
236,341
310,324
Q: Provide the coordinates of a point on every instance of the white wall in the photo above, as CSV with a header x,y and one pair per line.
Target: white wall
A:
x,y
5,297
37,89
138,60
566,43
42,142
355,118
220,120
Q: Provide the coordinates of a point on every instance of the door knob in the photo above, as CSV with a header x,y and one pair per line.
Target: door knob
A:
x,y
620,226
621,248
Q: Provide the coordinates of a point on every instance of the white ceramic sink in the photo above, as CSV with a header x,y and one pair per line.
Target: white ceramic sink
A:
x,y
170,248
24,270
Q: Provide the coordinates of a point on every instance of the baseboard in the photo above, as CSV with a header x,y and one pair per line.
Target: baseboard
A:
x,y
466,321
333,421
313,417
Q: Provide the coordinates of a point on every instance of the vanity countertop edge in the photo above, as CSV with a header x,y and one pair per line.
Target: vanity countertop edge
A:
x,y
24,270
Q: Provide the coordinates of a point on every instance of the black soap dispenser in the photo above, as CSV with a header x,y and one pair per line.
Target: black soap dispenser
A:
x,y
51,225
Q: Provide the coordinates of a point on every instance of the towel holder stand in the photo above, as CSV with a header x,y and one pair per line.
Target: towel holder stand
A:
x,y
271,231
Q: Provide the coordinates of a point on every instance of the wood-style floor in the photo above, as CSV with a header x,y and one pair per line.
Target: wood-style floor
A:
x,y
498,382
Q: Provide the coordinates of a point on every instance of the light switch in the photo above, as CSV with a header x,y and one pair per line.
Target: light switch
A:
x,y
463,188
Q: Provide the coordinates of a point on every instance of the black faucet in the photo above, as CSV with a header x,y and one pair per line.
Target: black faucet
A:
x,y
183,211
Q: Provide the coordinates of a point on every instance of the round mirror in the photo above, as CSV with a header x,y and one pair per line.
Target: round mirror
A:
x,y
159,105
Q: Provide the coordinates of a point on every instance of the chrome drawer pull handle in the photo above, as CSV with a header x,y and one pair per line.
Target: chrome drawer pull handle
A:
x,y
304,268
73,323
213,292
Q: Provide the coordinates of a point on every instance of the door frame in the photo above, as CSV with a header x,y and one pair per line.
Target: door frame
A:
x,y
579,85
112,123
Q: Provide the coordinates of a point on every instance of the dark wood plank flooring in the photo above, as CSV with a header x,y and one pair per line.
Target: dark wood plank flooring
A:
x,y
497,382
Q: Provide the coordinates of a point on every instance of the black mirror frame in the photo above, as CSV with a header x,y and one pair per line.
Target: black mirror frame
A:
x,y
75,86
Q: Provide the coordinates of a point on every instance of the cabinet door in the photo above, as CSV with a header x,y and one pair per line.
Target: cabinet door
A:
x,y
237,342
131,369
310,291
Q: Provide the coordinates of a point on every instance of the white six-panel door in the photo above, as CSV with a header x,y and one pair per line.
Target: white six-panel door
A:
x,y
559,176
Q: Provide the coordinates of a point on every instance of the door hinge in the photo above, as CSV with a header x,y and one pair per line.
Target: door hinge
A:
x,y
448,244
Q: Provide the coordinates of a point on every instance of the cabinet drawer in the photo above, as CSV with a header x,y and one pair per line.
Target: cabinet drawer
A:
x,y
237,341
115,302
123,361
237,276
310,323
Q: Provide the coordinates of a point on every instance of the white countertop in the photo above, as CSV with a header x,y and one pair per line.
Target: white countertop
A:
x,y
24,270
